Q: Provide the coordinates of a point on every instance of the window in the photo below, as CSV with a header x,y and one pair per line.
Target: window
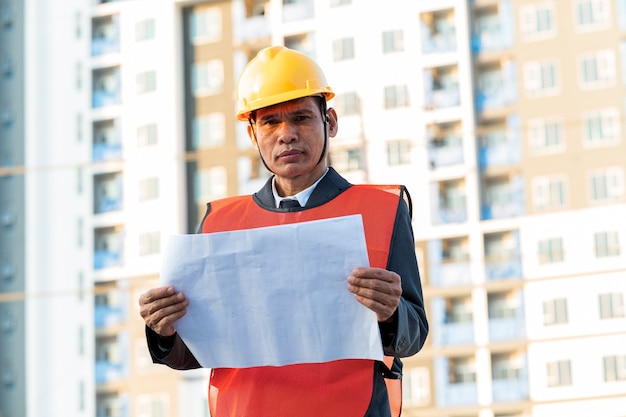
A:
x,y
551,251
145,30
463,370
555,311
6,67
210,184
559,373
546,135
393,41
79,127
343,49
6,116
79,76
146,82
79,232
606,185
396,96
6,15
537,21
549,192
505,366
347,104
416,386
207,77
154,405
398,152
611,305
601,127
502,305
606,244
209,131
148,189
540,78
147,135
335,3
149,243
205,25
592,14
614,368
459,310
597,69
347,159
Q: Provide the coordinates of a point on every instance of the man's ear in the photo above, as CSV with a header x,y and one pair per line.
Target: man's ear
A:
x,y
252,136
332,124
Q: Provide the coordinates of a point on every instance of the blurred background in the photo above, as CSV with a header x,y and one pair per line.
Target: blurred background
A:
x,y
502,117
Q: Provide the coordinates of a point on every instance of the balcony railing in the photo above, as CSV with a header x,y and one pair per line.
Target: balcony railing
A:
x,y
451,273
510,328
303,9
101,98
103,46
503,269
106,259
108,315
107,151
107,371
445,155
454,334
443,98
508,390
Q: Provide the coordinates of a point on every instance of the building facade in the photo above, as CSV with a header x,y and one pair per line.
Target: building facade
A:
x,y
502,117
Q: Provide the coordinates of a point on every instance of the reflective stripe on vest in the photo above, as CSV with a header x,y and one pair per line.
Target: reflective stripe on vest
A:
x,y
333,389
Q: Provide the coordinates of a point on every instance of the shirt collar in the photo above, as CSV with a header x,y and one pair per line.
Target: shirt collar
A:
x,y
302,196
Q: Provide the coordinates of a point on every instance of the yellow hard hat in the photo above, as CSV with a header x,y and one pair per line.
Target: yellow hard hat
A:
x,y
278,74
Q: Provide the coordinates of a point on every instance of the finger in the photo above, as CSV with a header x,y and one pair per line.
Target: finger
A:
x,y
156,294
383,311
392,287
376,273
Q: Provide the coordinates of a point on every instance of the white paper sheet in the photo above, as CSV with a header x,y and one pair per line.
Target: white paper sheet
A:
x,y
273,295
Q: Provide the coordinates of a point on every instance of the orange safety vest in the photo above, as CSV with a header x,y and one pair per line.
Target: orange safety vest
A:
x,y
340,388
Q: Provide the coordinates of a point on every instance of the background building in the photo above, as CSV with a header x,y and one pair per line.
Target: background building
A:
x,y
503,117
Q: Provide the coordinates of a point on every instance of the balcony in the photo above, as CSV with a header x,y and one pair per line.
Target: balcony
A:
x,y
113,404
452,321
108,244
500,143
503,268
108,194
106,87
493,28
503,197
507,328
455,334
255,25
438,32
441,87
449,263
449,202
107,371
446,152
497,86
105,35
106,315
102,152
294,10
454,386
509,377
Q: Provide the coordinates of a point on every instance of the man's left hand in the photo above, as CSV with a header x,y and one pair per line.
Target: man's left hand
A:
x,y
377,289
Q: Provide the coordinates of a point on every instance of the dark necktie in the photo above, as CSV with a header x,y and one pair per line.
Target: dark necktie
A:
x,y
289,203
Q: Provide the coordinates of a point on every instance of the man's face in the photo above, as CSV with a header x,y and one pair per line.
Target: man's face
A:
x,y
290,137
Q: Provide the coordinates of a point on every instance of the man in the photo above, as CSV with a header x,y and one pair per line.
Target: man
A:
x,y
282,95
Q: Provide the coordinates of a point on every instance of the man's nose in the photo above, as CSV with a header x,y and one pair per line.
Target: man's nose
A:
x,y
287,132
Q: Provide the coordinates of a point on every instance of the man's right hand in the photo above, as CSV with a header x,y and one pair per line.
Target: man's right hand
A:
x,y
161,308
